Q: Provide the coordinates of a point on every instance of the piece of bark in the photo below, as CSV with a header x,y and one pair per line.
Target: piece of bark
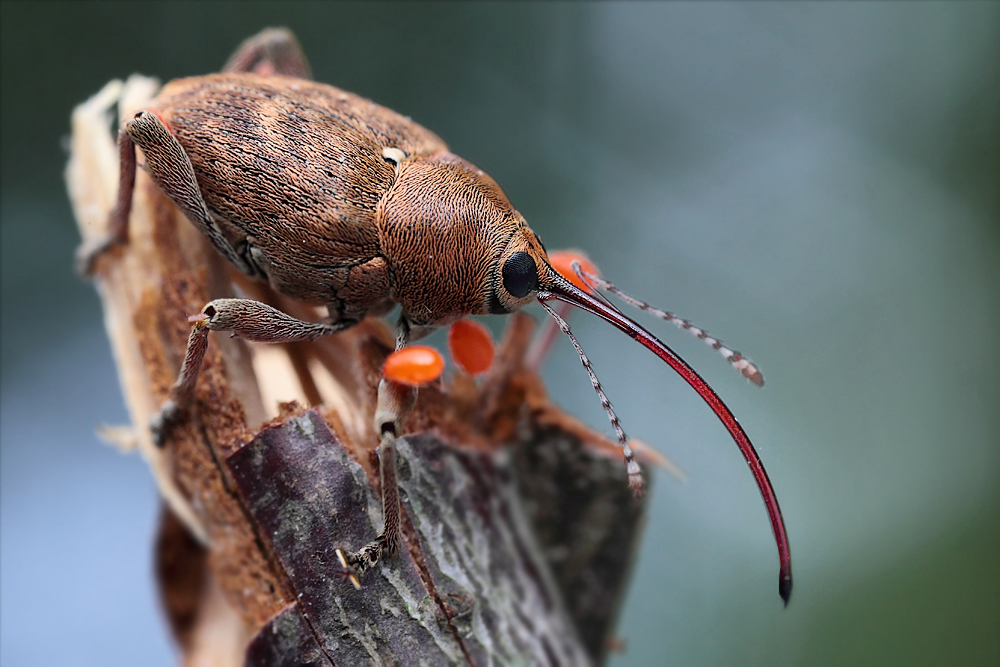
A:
x,y
485,577
588,522
310,497
148,289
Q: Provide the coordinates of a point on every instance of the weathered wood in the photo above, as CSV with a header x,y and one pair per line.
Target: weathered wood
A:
x,y
483,560
516,553
587,520
490,595
148,289
286,641
309,497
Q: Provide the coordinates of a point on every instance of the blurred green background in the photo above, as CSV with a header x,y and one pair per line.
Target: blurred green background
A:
x,y
815,183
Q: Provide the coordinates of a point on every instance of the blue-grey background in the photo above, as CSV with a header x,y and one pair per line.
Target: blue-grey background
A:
x,y
815,183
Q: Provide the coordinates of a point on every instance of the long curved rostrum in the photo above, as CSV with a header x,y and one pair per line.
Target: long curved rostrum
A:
x,y
554,286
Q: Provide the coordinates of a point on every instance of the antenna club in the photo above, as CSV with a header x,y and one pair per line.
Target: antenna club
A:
x,y
635,481
637,485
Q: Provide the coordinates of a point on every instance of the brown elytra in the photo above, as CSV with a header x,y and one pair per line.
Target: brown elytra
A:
x,y
343,202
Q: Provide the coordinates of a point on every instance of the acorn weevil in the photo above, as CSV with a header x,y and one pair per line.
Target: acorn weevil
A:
x,y
336,201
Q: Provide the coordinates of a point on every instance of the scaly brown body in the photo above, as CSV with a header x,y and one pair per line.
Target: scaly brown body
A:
x,y
296,174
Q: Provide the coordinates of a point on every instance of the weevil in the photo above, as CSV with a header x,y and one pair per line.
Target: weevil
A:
x,y
336,201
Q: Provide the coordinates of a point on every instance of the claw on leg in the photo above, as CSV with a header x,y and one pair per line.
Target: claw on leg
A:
x,y
387,544
356,564
88,253
395,401
348,561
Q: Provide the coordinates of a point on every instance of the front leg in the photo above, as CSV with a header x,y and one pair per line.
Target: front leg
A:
x,y
246,318
394,402
117,233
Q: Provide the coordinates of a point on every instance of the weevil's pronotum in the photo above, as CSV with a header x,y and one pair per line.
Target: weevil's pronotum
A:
x,y
337,201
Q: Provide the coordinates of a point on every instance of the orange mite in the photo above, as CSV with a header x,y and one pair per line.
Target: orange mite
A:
x,y
471,346
413,365
562,261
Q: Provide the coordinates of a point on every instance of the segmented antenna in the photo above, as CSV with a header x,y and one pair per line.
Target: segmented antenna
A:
x,y
634,473
747,368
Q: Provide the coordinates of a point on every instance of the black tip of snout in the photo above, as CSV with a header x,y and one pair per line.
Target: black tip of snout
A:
x,y
785,588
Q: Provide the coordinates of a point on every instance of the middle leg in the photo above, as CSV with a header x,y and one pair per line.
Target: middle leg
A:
x,y
251,320
394,402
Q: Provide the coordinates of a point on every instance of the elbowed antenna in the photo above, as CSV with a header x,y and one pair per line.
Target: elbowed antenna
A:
x,y
554,286
746,368
631,467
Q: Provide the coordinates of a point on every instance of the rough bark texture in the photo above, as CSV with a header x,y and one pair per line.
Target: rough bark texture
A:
x,y
309,497
518,523
588,522
490,597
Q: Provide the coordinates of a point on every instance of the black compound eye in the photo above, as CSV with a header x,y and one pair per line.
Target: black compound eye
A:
x,y
520,275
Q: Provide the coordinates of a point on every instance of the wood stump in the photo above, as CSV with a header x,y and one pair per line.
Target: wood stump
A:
x,y
518,523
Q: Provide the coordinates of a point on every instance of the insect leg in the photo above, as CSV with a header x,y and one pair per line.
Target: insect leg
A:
x,y
394,402
246,318
87,254
631,467
271,51
169,166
